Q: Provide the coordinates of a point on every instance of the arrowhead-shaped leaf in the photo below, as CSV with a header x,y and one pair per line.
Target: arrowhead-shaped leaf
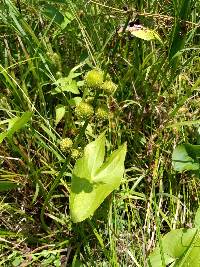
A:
x,y
186,157
180,246
93,180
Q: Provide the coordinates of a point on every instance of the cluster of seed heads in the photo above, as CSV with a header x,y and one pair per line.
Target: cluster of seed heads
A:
x,y
95,79
66,146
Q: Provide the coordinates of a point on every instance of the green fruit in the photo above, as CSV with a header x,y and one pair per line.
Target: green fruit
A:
x,y
102,113
84,110
94,78
76,153
109,87
66,144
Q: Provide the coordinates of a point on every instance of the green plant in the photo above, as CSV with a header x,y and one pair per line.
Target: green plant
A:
x,y
141,85
178,248
186,157
93,180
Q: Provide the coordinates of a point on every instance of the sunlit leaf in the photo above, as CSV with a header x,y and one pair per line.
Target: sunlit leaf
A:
x,y
75,101
93,180
146,34
60,113
16,125
66,84
197,219
174,247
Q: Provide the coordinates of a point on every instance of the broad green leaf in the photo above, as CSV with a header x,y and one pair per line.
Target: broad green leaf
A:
x,y
197,219
61,19
7,185
53,13
68,18
75,101
60,113
65,85
186,157
180,246
146,34
17,125
93,180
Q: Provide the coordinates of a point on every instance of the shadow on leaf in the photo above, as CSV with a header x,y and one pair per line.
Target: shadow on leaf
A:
x,y
81,184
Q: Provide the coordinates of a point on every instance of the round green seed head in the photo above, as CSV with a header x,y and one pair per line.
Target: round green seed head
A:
x,y
66,144
102,113
84,110
109,87
94,78
75,153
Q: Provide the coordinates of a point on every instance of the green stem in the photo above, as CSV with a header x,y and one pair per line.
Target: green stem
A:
x,y
63,169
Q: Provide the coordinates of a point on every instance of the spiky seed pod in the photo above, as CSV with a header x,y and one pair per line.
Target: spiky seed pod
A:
x,y
94,78
109,87
76,153
84,110
102,113
66,144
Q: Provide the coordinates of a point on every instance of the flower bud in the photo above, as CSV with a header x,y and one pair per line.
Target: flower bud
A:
x,y
76,153
84,110
109,87
66,144
94,78
102,113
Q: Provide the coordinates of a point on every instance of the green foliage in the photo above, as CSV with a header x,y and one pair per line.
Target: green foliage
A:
x,y
7,185
147,35
60,113
51,54
66,84
179,248
93,180
185,157
197,218
16,125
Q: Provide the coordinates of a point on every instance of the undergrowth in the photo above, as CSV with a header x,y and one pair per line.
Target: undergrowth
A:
x,y
47,50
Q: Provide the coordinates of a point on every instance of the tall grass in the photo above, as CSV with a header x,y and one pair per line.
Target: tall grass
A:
x,y
158,87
